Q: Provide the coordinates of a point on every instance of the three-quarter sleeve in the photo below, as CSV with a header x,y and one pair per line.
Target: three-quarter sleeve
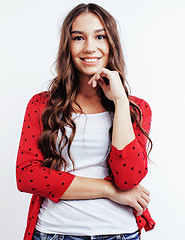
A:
x,y
31,176
129,165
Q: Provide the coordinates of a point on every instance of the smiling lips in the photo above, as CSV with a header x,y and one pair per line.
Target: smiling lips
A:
x,y
90,59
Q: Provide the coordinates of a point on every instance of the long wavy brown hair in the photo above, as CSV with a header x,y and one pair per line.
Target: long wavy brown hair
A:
x,y
63,89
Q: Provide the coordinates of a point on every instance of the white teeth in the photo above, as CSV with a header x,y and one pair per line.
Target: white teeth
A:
x,y
90,60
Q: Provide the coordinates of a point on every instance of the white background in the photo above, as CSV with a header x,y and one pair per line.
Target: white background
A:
x,y
153,37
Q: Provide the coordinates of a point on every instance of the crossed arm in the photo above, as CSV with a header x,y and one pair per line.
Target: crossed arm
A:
x,y
56,185
136,196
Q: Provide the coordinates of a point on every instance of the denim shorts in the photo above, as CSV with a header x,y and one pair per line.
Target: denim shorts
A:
x,y
44,236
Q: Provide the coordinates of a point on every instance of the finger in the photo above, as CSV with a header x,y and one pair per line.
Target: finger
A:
x,y
93,80
145,197
142,203
90,81
146,191
94,83
138,208
104,72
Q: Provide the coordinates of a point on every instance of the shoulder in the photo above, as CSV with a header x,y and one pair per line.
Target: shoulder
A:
x,y
139,101
38,102
143,105
40,97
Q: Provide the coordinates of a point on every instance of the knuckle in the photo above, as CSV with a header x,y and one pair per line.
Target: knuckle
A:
x,y
146,205
115,72
139,191
140,211
138,187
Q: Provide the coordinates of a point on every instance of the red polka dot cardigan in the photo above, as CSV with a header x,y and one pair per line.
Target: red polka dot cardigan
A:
x,y
128,166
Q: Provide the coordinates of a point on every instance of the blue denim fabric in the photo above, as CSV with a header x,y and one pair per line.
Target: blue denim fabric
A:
x,y
44,236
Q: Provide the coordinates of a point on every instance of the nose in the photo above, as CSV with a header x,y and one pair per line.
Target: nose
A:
x,y
90,46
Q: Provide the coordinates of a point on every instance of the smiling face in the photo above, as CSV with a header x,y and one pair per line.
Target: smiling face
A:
x,y
89,44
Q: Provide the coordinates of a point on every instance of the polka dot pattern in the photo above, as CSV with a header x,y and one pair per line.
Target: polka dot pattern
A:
x,y
145,220
129,165
41,182
31,176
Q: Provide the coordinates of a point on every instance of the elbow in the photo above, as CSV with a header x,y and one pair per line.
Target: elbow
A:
x,y
20,185
18,181
129,174
24,186
126,185
129,183
23,183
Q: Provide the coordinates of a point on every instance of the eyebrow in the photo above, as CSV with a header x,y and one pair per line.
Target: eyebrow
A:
x,y
81,32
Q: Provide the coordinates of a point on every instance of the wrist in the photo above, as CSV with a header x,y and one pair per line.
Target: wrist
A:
x,y
122,101
109,189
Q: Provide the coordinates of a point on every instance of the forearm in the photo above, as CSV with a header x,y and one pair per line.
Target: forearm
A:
x,y
88,188
91,188
126,157
123,132
128,162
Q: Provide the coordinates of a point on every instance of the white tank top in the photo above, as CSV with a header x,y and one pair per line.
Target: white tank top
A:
x,y
89,150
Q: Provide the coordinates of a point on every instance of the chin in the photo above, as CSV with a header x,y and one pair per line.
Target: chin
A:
x,y
89,73
92,71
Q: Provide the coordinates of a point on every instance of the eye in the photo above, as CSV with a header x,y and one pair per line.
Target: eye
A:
x,y
100,37
78,38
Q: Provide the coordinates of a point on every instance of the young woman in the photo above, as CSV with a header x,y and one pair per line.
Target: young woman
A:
x,y
82,152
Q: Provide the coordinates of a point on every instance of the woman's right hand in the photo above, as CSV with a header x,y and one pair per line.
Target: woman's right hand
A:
x,y
137,197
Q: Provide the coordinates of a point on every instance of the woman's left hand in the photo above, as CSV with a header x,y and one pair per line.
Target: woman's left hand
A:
x,y
115,90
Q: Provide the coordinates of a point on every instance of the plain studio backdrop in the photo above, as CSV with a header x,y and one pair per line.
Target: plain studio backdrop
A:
x,y
153,37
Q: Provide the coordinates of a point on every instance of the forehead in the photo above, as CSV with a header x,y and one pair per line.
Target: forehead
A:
x,y
87,21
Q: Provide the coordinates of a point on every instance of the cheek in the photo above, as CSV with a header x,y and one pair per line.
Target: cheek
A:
x,y
74,50
106,54
106,49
